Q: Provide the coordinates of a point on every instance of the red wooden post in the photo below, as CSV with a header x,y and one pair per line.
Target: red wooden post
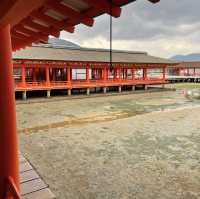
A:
x,y
115,73
133,74
95,73
105,74
68,74
47,75
23,76
54,74
34,75
188,72
145,74
87,74
120,76
9,167
164,73
180,71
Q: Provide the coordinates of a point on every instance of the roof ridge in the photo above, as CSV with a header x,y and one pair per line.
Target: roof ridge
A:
x,y
90,49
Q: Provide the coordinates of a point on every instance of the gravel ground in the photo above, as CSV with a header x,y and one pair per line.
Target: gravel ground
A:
x,y
144,146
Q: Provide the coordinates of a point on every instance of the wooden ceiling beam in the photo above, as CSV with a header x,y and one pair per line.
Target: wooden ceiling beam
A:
x,y
13,11
46,30
60,25
74,16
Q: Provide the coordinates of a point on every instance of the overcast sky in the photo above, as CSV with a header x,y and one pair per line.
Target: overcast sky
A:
x,y
165,29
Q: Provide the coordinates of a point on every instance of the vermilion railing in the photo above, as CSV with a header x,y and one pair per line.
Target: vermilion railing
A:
x,y
84,83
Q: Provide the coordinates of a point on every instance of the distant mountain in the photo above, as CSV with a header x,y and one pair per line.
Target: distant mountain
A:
x,y
55,42
58,43
189,57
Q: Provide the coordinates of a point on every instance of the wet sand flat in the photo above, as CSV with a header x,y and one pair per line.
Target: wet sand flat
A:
x,y
122,147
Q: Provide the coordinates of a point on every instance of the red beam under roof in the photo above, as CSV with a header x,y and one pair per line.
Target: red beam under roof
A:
x,y
34,20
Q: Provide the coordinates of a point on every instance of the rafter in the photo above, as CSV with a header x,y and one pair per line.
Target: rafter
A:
x,y
47,30
60,25
74,16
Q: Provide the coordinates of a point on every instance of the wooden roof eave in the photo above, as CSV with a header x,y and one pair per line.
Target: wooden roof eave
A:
x,y
13,11
16,12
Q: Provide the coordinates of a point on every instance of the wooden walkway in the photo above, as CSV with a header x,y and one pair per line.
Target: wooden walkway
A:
x,y
32,186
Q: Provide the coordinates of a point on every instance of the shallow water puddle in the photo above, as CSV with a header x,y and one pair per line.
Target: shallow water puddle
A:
x,y
117,112
78,122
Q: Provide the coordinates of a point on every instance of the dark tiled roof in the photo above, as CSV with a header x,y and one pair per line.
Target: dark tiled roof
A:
x,y
195,64
88,55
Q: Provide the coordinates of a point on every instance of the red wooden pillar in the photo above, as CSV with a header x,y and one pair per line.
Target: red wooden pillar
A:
x,y
123,73
23,75
54,74
164,73
87,74
145,74
34,75
47,75
9,167
120,75
95,73
105,74
194,72
115,73
68,74
133,74
179,71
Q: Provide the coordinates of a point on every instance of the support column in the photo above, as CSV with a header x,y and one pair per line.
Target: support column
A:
x,y
120,89
69,92
105,74
133,88
23,76
9,165
104,89
126,72
54,74
88,91
145,74
24,96
47,76
34,75
145,87
164,76
48,93
120,75
68,74
115,73
133,74
87,74
164,73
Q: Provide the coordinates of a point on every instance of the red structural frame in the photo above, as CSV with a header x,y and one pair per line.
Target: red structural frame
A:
x,y
184,71
18,29
101,75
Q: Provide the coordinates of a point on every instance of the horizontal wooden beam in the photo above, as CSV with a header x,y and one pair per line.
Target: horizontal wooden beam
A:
x,y
74,16
46,30
13,11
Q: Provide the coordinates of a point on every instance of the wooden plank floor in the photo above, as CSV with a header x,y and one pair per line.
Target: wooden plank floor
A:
x,y
32,186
